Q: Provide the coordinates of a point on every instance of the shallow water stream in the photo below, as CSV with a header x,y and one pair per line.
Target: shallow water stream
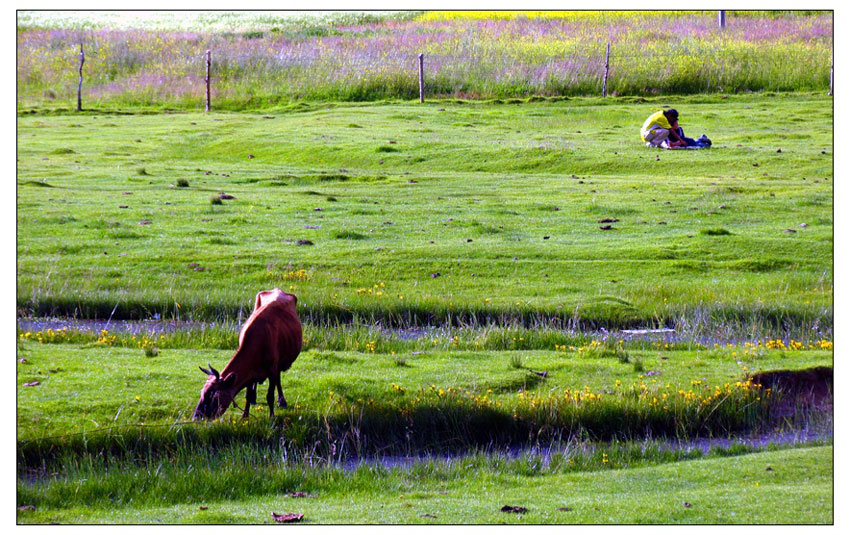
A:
x,y
159,326
820,434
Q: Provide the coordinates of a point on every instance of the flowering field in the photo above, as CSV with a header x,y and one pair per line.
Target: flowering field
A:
x,y
489,55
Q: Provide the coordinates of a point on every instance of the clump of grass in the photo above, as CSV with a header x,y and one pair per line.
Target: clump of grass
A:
x,y
606,348
40,183
350,235
215,200
516,361
386,148
141,171
182,183
400,361
327,177
715,232
638,365
151,351
548,208
484,228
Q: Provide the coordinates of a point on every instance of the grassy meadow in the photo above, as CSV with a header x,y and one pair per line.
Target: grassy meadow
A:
x,y
467,269
437,213
418,340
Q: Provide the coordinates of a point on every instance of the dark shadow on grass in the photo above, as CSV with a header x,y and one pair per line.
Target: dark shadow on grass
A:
x,y
516,382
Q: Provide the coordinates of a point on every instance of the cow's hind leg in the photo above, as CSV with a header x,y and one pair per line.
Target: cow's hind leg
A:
x,y
270,398
281,401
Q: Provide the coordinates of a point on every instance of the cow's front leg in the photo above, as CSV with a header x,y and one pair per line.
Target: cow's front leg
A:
x,y
250,398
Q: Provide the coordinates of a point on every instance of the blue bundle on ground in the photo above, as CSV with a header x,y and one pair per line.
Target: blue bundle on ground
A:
x,y
700,143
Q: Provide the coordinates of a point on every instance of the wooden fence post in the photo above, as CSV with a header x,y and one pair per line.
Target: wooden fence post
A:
x,y
831,67
207,82
80,82
721,19
421,78
607,63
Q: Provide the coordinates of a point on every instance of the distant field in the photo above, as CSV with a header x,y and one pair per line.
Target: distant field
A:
x,y
263,59
420,214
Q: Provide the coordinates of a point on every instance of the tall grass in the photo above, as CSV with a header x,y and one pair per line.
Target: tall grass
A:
x,y
698,320
375,58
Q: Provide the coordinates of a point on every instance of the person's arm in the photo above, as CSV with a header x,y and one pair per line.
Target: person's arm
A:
x,y
674,134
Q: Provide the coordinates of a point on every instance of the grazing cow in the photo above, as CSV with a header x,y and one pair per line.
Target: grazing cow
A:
x,y
268,345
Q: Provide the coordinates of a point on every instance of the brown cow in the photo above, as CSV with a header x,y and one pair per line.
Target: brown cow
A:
x,y
268,344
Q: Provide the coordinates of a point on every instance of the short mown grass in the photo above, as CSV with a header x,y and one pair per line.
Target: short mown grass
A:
x,y
472,229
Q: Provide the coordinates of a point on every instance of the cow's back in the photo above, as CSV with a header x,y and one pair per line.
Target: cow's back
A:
x,y
263,298
274,328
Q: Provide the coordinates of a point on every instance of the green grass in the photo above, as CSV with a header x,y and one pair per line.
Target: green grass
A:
x,y
449,228
133,393
728,490
124,433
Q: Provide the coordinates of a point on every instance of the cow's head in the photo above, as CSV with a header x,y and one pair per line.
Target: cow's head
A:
x,y
216,395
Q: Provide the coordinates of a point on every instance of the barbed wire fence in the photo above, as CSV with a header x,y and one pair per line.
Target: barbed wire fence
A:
x,y
608,58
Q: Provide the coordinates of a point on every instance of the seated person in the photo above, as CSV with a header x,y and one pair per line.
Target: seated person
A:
x,y
659,127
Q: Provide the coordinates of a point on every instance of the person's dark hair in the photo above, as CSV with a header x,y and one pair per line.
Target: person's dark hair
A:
x,y
672,113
